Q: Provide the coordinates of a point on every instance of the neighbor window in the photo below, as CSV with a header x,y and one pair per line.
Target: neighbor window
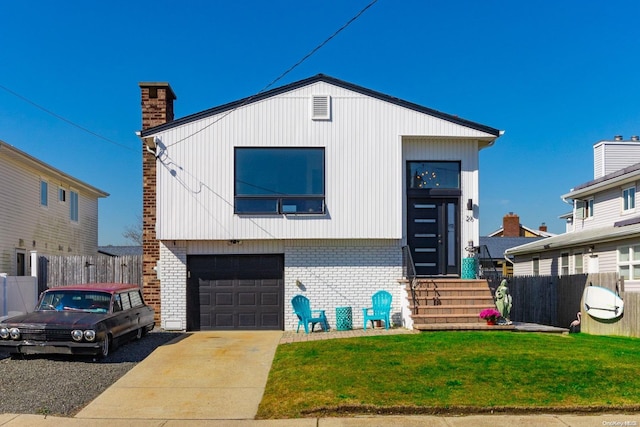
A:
x,y
589,209
535,266
564,264
279,181
629,262
577,263
584,209
73,206
44,193
62,195
629,199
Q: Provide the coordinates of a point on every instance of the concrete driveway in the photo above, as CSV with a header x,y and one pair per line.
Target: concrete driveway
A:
x,y
205,375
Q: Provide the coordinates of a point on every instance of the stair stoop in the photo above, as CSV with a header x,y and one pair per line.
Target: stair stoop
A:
x,y
451,304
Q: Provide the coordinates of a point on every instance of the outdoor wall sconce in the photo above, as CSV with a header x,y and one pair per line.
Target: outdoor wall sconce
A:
x,y
470,204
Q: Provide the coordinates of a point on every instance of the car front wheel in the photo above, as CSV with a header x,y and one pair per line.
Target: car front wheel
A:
x,y
105,346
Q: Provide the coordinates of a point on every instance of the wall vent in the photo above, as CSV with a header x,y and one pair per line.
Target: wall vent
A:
x,y
321,107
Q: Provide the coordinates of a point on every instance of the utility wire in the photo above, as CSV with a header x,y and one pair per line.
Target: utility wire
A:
x,y
281,76
57,116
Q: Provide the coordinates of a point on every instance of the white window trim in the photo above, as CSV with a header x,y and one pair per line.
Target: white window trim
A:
x,y
584,209
565,256
63,191
578,255
631,249
624,199
533,263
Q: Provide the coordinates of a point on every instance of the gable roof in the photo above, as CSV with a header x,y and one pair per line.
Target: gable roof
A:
x,y
326,79
537,233
20,156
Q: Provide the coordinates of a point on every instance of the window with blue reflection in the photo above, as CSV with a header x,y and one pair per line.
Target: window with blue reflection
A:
x,y
279,180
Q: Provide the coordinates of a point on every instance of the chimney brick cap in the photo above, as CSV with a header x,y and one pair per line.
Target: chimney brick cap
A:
x,y
165,85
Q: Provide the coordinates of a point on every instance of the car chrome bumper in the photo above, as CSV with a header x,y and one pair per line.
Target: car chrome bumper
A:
x,y
37,347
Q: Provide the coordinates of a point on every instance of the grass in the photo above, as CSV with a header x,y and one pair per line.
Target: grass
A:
x,y
442,372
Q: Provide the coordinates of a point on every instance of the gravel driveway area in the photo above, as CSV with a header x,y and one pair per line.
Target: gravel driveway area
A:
x,y
63,385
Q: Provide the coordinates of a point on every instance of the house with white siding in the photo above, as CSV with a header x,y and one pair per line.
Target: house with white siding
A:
x,y
312,188
603,228
44,211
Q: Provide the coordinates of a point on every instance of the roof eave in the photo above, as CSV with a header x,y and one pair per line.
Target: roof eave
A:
x,y
492,133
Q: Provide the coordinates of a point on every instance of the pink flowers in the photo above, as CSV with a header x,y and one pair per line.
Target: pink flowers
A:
x,y
490,314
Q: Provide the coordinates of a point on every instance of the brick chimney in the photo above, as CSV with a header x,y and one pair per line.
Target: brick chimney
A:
x,y
157,109
511,225
543,227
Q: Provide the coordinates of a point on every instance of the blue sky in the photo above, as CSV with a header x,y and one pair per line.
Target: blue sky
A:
x,y
557,76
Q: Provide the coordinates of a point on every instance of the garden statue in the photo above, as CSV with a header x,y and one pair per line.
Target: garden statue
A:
x,y
503,302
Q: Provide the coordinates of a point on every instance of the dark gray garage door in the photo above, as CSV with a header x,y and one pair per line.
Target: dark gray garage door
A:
x,y
235,292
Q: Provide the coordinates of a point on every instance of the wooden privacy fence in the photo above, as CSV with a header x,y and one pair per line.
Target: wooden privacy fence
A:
x,y
61,270
628,325
553,300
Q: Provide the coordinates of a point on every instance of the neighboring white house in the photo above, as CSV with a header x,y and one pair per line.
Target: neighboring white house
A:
x,y
603,230
312,188
43,211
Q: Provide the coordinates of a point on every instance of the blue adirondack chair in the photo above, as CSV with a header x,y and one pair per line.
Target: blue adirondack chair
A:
x,y
381,309
302,309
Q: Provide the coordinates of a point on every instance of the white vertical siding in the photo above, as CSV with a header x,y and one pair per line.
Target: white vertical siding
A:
x,y
363,160
464,151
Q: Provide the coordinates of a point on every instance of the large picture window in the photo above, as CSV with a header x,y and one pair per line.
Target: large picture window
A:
x,y
279,181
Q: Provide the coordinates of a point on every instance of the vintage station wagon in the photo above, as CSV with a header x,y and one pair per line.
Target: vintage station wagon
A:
x,y
80,319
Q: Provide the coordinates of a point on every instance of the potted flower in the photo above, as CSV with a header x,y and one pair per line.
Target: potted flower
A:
x,y
491,315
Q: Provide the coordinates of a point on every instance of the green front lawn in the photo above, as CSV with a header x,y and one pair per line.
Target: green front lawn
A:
x,y
438,372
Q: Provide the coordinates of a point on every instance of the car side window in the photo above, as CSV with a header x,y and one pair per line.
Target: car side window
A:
x,y
117,304
126,304
136,299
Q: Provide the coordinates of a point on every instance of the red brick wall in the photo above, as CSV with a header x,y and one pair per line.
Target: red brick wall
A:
x,y
157,108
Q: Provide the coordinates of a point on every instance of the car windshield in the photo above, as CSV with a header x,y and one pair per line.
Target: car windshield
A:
x,y
65,300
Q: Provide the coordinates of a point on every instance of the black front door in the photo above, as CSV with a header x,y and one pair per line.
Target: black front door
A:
x,y
432,235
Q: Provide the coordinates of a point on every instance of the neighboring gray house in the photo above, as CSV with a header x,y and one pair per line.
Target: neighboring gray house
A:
x,y
311,188
603,230
43,211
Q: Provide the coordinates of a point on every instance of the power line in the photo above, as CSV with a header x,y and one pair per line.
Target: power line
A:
x,y
281,76
59,117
